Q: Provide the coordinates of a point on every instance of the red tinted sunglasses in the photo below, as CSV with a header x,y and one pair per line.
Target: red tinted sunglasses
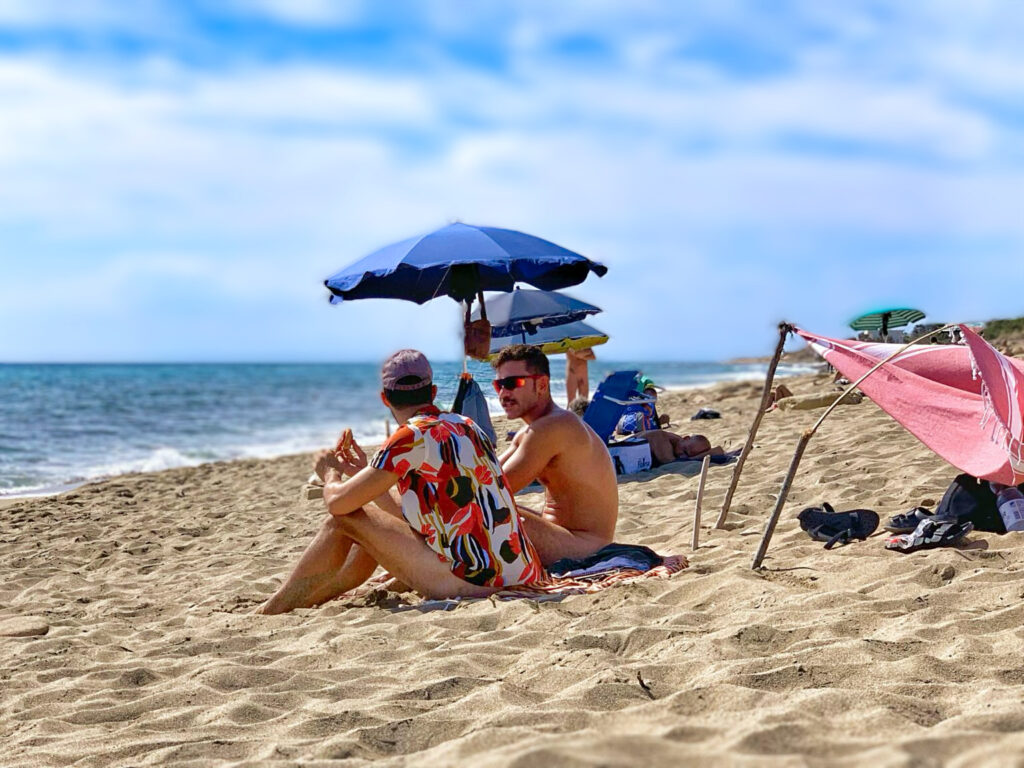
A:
x,y
513,382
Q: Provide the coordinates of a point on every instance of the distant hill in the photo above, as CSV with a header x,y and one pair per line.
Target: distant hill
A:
x,y
1006,335
803,354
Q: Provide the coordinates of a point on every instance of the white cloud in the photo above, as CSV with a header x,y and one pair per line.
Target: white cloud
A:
x,y
210,155
673,170
293,95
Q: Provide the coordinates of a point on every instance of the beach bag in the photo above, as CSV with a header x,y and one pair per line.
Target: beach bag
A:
x,y
476,334
477,339
471,403
971,499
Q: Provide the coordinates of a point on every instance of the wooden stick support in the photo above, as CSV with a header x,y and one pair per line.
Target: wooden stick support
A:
x,y
700,500
762,549
784,330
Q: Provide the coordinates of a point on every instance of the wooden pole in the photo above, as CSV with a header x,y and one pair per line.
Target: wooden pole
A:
x,y
784,330
700,500
781,502
762,549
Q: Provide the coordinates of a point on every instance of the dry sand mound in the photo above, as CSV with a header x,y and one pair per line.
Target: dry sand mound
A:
x,y
857,656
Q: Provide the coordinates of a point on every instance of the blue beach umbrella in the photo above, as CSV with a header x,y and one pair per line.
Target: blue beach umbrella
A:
x,y
554,340
460,261
524,312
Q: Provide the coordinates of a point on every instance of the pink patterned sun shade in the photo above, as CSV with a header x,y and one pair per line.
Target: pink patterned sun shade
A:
x,y
966,403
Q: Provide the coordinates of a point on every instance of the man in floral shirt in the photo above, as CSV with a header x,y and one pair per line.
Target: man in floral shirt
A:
x,y
456,530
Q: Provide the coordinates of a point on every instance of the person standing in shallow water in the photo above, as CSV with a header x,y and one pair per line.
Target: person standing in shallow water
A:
x,y
555,447
455,531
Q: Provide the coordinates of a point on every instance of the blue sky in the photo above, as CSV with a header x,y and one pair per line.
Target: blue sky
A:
x,y
178,178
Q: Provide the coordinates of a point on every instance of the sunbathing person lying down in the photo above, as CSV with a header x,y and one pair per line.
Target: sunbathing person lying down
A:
x,y
668,446
665,446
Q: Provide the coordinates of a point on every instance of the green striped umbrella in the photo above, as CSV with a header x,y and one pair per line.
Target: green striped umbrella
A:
x,y
886,318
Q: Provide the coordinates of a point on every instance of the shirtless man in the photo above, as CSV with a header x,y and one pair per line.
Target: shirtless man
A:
x,y
577,375
564,454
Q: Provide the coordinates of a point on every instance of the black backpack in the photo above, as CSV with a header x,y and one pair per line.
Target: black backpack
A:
x,y
969,498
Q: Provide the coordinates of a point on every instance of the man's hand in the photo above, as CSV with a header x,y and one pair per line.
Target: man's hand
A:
x,y
346,458
350,457
323,462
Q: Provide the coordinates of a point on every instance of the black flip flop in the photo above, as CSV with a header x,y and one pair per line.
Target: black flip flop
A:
x,y
931,533
825,524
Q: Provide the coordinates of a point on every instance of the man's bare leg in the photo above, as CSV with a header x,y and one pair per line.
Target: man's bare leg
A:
x,y
553,542
331,565
398,548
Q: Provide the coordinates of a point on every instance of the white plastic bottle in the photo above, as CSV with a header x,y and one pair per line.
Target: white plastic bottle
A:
x,y
1011,508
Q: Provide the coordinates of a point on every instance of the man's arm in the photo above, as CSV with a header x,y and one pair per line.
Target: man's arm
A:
x,y
389,502
513,447
349,459
342,497
526,460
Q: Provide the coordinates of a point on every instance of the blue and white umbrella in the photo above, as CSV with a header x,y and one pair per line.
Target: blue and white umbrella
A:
x,y
525,312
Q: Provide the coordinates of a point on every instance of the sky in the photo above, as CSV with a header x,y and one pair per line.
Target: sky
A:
x,y
178,177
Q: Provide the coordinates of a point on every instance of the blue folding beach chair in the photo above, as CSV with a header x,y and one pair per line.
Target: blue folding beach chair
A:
x,y
611,397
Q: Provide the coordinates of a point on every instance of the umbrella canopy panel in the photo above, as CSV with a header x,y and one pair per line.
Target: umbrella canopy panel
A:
x,y
554,340
522,311
886,318
459,261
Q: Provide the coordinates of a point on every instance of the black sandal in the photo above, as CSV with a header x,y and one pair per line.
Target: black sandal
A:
x,y
825,524
931,533
908,521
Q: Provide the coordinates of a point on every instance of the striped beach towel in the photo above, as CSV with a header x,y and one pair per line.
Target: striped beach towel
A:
x,y
552,589
562,586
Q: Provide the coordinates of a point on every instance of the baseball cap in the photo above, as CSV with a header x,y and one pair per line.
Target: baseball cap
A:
x,y
646,382
403,363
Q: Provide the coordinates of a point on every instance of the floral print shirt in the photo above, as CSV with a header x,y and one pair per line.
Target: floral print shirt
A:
x,y
455,496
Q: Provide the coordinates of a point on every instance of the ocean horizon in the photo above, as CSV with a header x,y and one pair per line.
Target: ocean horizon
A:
x,y
65,424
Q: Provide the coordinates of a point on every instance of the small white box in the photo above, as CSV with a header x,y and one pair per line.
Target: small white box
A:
x,y
630,455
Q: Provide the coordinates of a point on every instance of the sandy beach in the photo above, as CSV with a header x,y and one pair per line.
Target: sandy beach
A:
x,y
130,601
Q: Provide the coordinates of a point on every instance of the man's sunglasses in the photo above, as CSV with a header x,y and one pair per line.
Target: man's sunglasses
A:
x,y
513,382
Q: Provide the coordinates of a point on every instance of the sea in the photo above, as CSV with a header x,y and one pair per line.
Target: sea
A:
x,y
62,425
